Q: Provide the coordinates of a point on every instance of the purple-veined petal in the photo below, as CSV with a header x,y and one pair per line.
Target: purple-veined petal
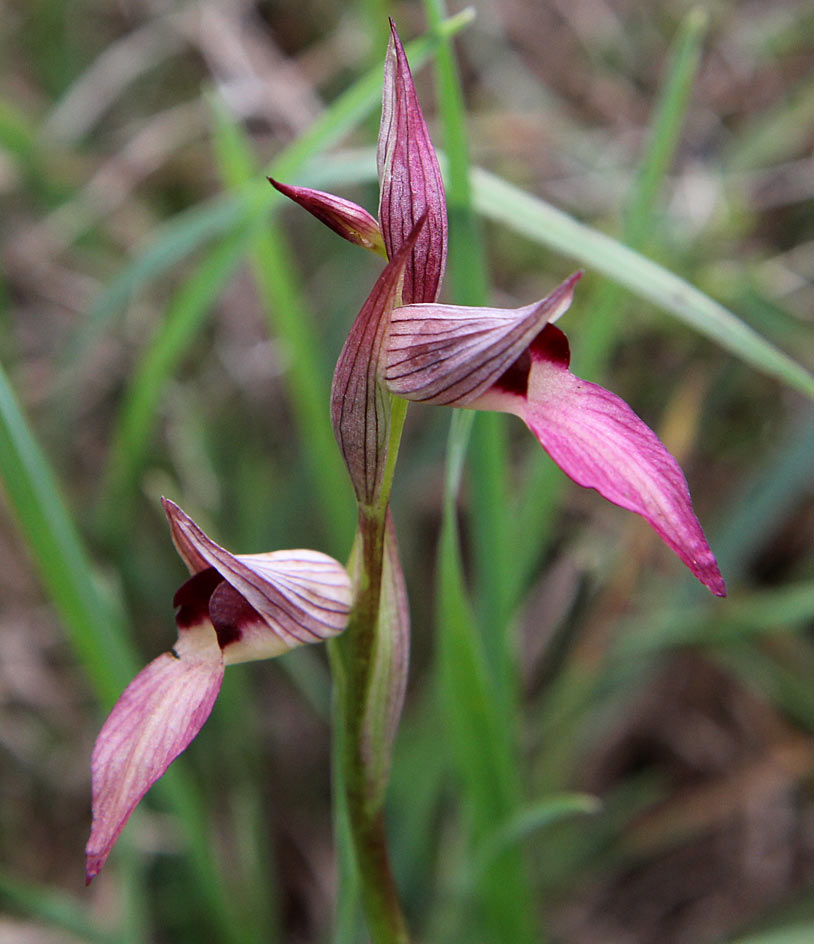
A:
x,y
267,603
409,180
596,439
359,412
451,355
351,221
155,719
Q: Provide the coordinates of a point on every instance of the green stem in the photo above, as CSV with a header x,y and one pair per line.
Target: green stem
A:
x,y
353,665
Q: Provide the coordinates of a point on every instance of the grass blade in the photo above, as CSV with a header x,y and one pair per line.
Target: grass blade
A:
x,y
501,201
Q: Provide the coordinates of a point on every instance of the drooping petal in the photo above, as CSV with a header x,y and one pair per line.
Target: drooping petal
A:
x,y
157,716
451,355
598,441
359,413
351,221
410,180
267,603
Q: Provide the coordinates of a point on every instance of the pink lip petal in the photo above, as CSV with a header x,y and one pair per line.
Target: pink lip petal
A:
x,y
157,716
599,442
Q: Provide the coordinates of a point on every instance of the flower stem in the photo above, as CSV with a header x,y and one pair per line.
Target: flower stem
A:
x,y
353,662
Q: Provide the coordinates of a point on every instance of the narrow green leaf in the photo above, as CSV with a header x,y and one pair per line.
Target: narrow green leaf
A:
x,y
95,628
607,305
543,223
132,432
481,746
291,321
528,820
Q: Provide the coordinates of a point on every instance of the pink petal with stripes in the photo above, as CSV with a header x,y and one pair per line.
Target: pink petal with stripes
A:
x,y
451,355
410,181
158,715
264,604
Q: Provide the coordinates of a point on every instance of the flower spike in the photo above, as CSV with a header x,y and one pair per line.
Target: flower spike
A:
x,y
517,362
234,608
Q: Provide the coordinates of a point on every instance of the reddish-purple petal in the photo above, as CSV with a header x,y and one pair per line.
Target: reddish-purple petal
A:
x,y
601,443
359,413
451,355
351,221
289,597
157,716
410,181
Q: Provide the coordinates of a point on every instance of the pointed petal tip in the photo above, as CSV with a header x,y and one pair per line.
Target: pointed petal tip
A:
x,y
715,583
93,866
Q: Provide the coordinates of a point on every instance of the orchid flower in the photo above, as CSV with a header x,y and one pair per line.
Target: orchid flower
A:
x,y
234,608
516,361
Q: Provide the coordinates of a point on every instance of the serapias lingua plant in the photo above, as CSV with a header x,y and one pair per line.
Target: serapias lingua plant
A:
x,y
403,345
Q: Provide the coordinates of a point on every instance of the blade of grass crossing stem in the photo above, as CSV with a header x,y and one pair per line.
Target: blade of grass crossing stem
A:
x,y
93,625
194,227
546,486
504,203
483,754
291,321
182,323
607,306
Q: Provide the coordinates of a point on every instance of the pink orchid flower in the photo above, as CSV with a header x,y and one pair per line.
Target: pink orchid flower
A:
x,y
234,608
516,361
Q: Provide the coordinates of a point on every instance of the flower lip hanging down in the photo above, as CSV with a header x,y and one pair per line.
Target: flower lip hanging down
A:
x,y
234,608
517,362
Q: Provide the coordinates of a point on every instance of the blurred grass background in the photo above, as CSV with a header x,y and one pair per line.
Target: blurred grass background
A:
x,y
592,750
